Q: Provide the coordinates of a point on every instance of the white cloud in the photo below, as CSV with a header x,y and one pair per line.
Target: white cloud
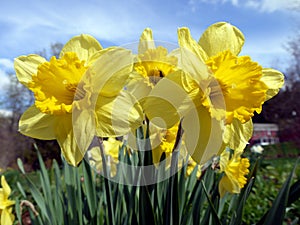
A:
x,y
262,5
6,66
4,80
116,22
274,5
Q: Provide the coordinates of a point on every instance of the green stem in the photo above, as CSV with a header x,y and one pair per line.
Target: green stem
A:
x,y
172,203
110,207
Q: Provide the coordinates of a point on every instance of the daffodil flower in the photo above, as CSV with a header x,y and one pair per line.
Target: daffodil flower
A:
x,y
243,84
163,142
7,218
86,79
224,89
235,169
151,65
111,150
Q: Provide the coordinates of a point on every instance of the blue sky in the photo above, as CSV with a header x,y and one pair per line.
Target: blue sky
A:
x,y
31,26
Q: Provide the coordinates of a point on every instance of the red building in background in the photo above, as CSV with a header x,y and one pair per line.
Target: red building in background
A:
x,y
264,134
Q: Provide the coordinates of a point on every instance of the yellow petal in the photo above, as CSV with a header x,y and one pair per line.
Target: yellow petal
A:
x,y
274,80
186,42
112,147
95,155
111,71
6,188
138,86
146,41
237,134
67,141
162,141
84,126
171,99
203,134
5,191
7,218
220,37
83,45
227,185
26,66
38,125
117,116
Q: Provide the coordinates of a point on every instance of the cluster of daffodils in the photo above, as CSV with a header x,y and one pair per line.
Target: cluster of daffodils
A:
x,y
204,87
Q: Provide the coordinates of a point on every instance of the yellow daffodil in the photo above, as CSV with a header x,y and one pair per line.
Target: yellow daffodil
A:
x,y
223,88
191,166
151,65
84,77
7,218
243,84
163,142
111,150
235,169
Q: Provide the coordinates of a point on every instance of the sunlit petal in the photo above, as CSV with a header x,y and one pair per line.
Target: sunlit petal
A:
x,y
38,125
171,99
186,41
83,45
146,41
67,141
117,116
26,66
84,127
274,80
110,71
138,86
220,37
203,134
237,135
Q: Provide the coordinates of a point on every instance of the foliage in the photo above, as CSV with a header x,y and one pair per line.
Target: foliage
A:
x,y
270,177
79,196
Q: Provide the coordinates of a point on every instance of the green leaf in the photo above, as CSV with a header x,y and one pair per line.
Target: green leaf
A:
x,y
20,165
90,189
294,193
146,213
238,214
276,213
21,189
58,193
46,187
214,214
39,199
18,210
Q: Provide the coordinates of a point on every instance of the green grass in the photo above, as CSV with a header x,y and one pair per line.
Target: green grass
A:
x,y
270,176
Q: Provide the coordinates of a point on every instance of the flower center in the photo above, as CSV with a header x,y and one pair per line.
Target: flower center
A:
x,y
154,64
56,82
237,84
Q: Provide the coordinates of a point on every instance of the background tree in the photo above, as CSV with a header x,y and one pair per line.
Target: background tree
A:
x,y
284,109
16,99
